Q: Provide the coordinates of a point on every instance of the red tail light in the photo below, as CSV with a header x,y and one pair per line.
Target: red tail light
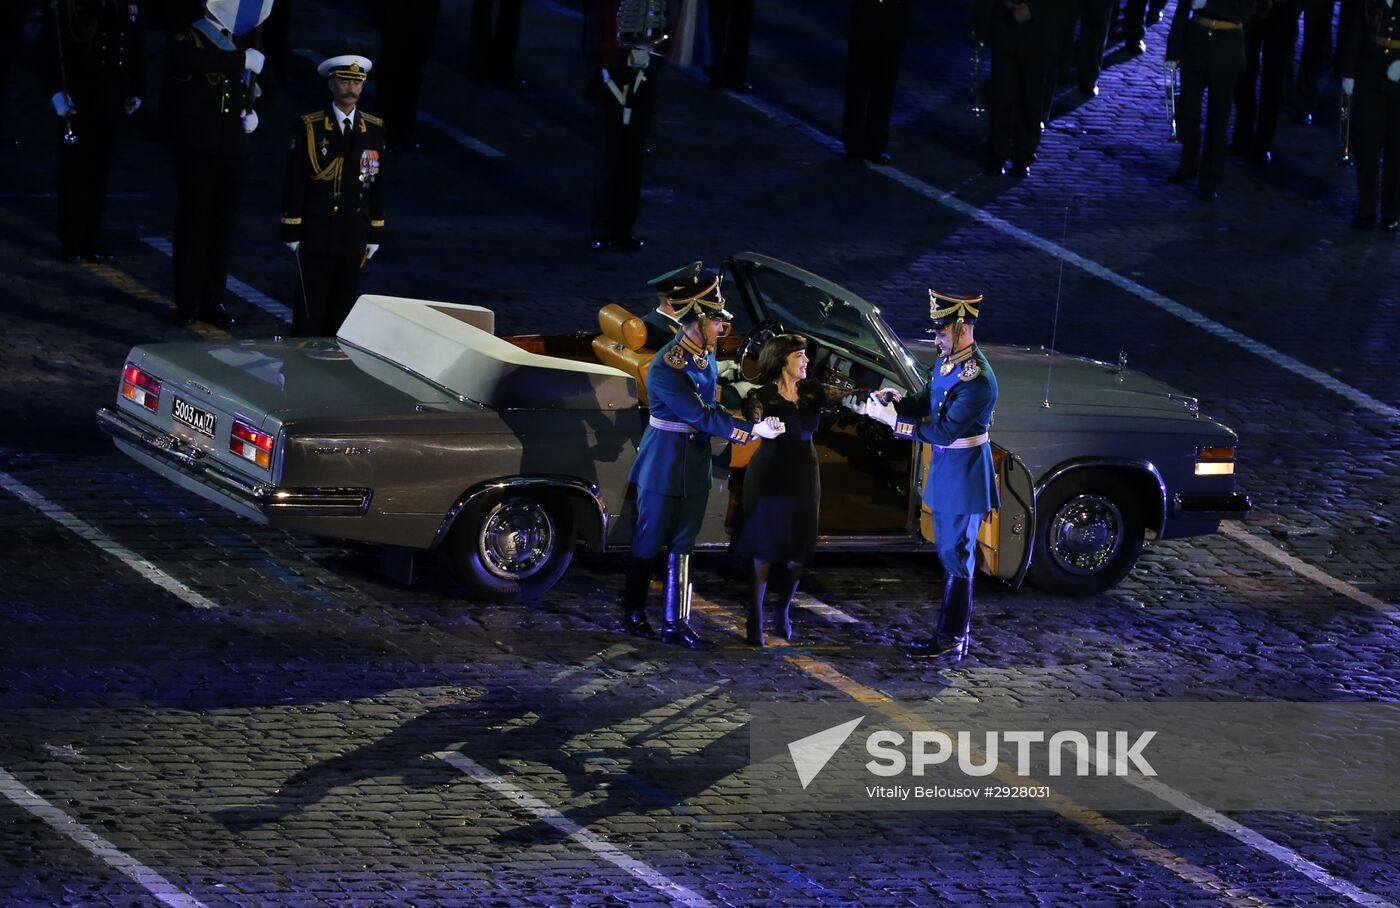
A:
x,y
250,444
140,388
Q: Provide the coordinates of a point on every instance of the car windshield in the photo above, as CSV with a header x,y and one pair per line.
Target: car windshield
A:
x,y
817,313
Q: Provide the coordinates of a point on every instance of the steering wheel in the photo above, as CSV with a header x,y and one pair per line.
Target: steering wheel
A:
x,y
761,334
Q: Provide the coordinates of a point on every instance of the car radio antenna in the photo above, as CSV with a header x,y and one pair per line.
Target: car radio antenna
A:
x,y
1055,325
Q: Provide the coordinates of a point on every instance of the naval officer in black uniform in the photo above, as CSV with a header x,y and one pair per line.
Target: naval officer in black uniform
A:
x,y
1370,71
332,199
1207,42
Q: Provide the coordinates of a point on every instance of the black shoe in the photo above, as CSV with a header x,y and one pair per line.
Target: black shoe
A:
x,y
602,245
1363,222
1262,158
1303,118
1180,177
1019,171
637,625
628,243
1207,195
953,648
741,87
879,157
1390,225
753,630
1090,91
219,317
100,255
189,321
682,635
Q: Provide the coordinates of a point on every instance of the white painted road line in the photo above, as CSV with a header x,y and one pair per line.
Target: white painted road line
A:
x,y
829,612
246,292
1170,306
101,540
162,889
574,832
472,143
1243,536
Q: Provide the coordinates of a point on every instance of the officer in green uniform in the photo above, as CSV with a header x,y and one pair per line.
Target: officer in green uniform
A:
x,y
661,322
672,471
952,414
332,199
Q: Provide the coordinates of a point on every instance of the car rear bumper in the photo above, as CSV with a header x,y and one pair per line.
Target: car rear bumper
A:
x,y
194,470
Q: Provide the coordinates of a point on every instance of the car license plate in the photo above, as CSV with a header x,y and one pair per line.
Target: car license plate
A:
x,y
201,421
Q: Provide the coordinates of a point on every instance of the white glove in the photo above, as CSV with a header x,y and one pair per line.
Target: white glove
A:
x,y
730,370
1392,72
854,404
132,105
1348,85
1198,4
370,250
889,394
879,412
250,120
1172,67
63,104
294,245
253,59
771,427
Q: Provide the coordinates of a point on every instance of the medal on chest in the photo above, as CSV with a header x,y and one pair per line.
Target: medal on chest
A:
x,y
945,367
701,360
325,147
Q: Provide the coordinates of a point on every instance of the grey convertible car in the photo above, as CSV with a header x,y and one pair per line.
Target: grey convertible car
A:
x,y
418,428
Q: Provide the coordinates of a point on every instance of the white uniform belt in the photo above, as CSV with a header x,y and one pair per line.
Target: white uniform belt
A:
x,y
669,425
972,441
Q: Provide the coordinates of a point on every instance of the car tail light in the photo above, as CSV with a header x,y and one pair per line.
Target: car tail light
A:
x,y
250,444
1215,461
140,388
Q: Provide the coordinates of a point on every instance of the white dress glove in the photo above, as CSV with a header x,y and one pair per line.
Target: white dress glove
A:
x,y
131,106
370,250
1348,85
1172,67
294,245
888,394
879,412
730,370
63,104
1392,72
253,60
853,403
1198,4
771,427
250,120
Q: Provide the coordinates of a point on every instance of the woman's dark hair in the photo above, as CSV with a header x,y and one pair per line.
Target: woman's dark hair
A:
x,y
775,353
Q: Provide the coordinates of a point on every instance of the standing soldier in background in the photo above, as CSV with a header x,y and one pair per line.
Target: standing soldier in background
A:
x,y
952,414
494,36
1022,37
1207,42
1270,35
1086,53
1316,57
332,203
407,30
96,75
876,37
1370,71
206,110
13,16
730,23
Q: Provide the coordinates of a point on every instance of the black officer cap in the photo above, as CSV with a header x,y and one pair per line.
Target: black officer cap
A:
x,y
683,282
945,308
705,299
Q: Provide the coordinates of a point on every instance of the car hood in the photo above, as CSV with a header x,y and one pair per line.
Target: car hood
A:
x,y
1077,385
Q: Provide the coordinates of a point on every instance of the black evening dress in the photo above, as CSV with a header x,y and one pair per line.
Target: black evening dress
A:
x,y
782,486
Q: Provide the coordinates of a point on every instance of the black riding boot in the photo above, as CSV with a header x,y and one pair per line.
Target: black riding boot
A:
x,y
924,645
634,598
675,619
953,632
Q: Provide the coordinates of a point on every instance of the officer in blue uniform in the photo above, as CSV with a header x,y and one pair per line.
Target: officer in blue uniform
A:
x,y
953,414
672,470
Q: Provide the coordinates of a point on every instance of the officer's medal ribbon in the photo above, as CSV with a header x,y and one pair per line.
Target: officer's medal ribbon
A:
x,y
369,166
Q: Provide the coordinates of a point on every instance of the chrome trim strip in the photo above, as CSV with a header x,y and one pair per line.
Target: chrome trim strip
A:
x,y
1145,466
566,483
263,497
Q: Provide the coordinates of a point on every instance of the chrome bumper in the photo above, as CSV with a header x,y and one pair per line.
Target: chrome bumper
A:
x,y
1210,505
176,454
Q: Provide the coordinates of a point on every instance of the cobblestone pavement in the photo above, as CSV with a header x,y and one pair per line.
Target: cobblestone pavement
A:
x,y
289,745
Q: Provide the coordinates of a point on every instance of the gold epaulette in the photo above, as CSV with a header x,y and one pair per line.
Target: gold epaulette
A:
x,y
312,117
372,119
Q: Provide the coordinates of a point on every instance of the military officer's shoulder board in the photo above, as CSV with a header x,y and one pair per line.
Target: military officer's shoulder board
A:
x,y
311,118
970,370
372,120
675,357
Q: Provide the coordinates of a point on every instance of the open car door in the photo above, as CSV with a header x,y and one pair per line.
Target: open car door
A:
x,y
1005,537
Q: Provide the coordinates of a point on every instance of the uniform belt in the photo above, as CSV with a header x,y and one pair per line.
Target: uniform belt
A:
x,y
1387,43
670,425
1214,24
972,441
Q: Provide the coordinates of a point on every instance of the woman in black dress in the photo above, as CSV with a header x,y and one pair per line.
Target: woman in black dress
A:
x,y
782,487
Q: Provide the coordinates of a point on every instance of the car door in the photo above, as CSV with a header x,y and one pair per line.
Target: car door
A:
x,y
1005,539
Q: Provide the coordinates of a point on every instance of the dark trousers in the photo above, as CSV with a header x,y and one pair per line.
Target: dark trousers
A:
x,y
875,50
1086,53
83,169
1019,90
617,176
1377,116
207,189
495,33
1268,49
329,286
1195,83
1316,57
13,15
405,44
667,521
1136,14
730,21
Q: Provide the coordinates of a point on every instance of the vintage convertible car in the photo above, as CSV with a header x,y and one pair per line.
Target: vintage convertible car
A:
x,y
416,428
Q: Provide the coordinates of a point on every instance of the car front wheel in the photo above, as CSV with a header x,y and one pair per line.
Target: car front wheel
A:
x,y
1088,535
511,545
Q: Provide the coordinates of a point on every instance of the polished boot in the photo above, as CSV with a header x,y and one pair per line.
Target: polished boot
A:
x,y
753,630
634,599
923,645
954,632
675,618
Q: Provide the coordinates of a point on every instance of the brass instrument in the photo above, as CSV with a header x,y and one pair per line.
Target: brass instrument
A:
x,y
1344,130
974,88
69,136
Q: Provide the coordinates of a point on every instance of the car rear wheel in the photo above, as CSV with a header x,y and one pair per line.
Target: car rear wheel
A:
x,y
1088,534
512,545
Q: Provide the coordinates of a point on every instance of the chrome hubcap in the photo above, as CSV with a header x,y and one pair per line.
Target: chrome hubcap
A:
x,y
1086,534
516,538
